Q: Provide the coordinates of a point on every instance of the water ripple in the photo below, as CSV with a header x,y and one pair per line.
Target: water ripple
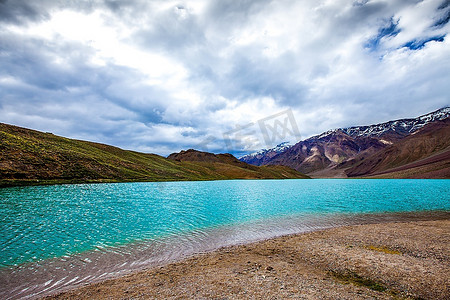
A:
x,y
55,237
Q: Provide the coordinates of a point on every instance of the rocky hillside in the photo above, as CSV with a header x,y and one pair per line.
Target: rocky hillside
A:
x,y
341,152
318,153
424,154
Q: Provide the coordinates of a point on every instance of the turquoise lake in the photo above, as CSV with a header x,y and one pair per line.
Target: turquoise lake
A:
x,y
101,225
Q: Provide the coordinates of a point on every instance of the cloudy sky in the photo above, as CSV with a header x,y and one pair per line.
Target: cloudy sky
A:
x,y
161,76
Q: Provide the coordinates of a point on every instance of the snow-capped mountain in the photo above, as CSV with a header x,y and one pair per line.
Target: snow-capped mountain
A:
x,y
343,147
398,128
259,158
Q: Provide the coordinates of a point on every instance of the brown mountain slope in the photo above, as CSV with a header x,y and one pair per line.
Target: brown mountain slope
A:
x,y
425,151
34,157
222,163
199,156
332,153
319,153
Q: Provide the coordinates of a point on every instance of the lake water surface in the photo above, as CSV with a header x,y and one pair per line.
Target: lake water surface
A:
x,y
55,237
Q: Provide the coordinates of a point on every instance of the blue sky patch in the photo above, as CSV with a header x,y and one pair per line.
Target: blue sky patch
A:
x,y
390,30
419,44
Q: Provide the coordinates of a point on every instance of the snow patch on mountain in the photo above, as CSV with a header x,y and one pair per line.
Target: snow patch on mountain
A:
x,y
406,126
400,128
277,149
386,142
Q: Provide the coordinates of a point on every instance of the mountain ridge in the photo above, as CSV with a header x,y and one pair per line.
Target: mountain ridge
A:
x,y
33,157
265,153
430,145
329,154
407,125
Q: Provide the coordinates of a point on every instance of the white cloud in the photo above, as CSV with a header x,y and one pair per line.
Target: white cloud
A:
x,y
192,70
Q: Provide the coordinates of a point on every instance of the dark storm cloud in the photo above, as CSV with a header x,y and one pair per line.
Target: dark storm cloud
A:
x,y
21,11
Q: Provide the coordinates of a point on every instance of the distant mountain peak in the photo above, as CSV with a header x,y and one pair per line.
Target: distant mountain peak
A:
x,y
275,150
400,127
341,148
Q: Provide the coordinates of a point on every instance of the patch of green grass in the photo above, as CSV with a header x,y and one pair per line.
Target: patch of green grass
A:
x,y
356,279
382,249
350,277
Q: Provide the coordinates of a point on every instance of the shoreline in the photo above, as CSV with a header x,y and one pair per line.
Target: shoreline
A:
x,y
124,232
11,183
50,182
383,260
70,272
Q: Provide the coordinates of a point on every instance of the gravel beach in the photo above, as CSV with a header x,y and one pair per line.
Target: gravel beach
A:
x,y
404,260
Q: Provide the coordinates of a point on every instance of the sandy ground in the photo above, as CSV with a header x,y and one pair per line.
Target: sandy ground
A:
x,y
381,261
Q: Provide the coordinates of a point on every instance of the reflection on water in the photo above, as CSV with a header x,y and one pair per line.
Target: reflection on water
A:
x,y
58,237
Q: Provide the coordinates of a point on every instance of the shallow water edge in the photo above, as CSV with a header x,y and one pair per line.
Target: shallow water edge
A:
x,y
35,280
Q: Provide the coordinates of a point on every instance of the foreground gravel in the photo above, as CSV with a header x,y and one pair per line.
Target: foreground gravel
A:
x,y
378,261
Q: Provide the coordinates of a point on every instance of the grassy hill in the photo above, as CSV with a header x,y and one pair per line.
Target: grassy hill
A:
x,y
34,157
